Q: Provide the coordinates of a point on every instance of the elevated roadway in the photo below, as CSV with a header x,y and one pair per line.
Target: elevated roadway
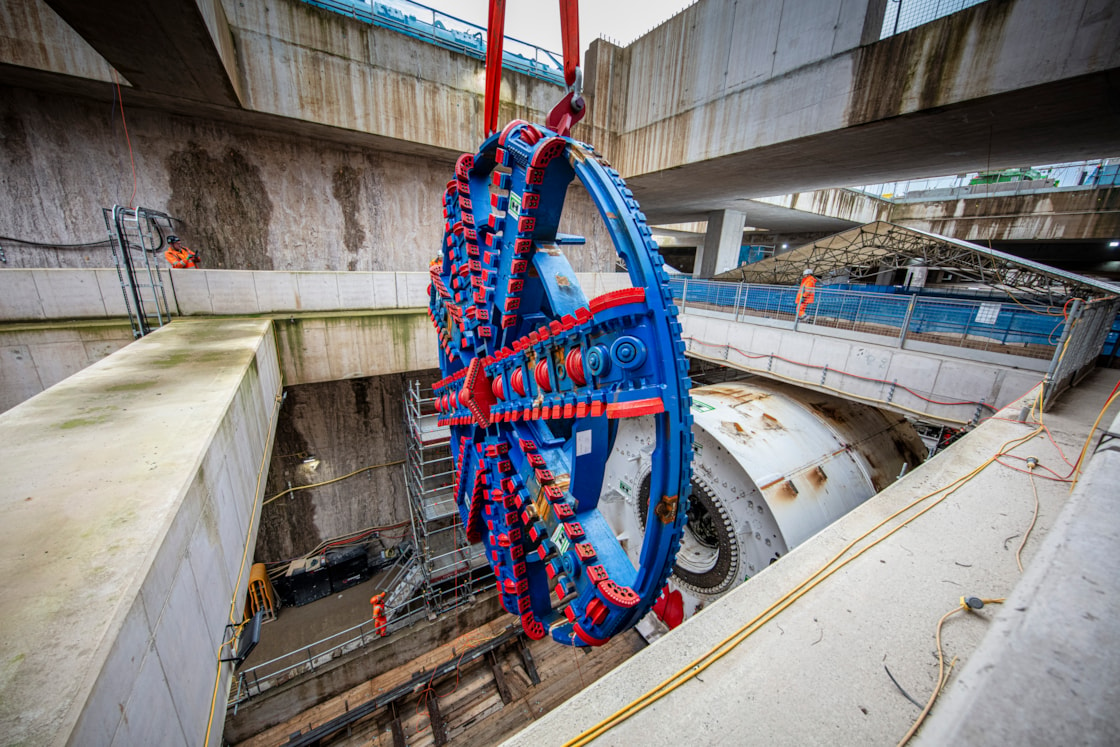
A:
x,y
722,103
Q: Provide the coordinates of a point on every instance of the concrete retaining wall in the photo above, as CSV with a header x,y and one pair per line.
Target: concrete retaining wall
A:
x,y
247,197
36,357
131,494
347,426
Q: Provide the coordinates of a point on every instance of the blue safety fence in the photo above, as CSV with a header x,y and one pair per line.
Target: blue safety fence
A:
x,y
1008,327
447,31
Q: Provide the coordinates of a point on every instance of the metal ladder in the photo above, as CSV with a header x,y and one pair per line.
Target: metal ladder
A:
x,y
135,239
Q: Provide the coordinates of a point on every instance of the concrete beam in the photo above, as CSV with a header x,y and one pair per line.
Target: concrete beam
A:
x,y
132,491
181,48
775,118
34,37
317,348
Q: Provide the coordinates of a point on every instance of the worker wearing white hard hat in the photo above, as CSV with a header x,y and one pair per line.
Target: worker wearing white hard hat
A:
x,y
806,294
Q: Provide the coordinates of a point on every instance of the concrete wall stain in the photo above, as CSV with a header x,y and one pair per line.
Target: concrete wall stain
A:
x,y
346,186
347,425
225,207
919,68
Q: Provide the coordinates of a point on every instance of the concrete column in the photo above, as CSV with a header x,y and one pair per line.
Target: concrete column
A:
x,y
721,243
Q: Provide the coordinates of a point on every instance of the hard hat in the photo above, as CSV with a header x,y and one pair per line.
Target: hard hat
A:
x,y
172,239
808,271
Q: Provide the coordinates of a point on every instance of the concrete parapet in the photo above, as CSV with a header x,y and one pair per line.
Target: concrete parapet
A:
x,y
329,325
48,294
866,367
1047,671
130,498
57,294
218,292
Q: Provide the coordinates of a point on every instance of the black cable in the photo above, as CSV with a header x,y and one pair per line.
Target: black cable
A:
x,y
904,693
47,245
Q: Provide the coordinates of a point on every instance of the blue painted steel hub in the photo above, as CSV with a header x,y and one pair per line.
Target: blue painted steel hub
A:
x,y
536,377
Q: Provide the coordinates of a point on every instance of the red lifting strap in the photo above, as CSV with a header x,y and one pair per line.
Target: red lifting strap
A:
x,y
571,108
495,36
569,32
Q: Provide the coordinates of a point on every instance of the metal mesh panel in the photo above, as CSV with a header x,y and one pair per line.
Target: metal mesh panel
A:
x,y
903,15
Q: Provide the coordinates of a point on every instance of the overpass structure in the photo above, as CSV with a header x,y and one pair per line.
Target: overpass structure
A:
x,y
1067,226
714,107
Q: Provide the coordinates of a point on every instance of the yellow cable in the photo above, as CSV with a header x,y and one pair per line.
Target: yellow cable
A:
x,y
733,640
1089,439
942,675
1060,312
328,482
240,573
1034,518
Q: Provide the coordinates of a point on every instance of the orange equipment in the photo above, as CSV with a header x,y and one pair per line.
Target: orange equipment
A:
x,y
260,594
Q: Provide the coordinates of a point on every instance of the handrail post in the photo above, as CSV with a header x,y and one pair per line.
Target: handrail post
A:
x,y
906,319
684,296
738,295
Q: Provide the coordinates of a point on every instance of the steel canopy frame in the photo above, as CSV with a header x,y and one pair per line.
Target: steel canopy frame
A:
x,y
536,377
865,251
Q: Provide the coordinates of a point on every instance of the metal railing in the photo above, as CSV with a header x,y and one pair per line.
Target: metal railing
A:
x,y
1083,339
259,678
1057,177
447,31
429,600
1012,328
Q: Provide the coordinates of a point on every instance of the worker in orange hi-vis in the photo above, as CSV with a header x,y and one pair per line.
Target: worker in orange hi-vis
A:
x,y
377,602
179,256
805,294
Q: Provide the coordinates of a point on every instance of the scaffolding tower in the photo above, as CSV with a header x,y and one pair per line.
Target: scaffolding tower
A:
x,y
447,570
